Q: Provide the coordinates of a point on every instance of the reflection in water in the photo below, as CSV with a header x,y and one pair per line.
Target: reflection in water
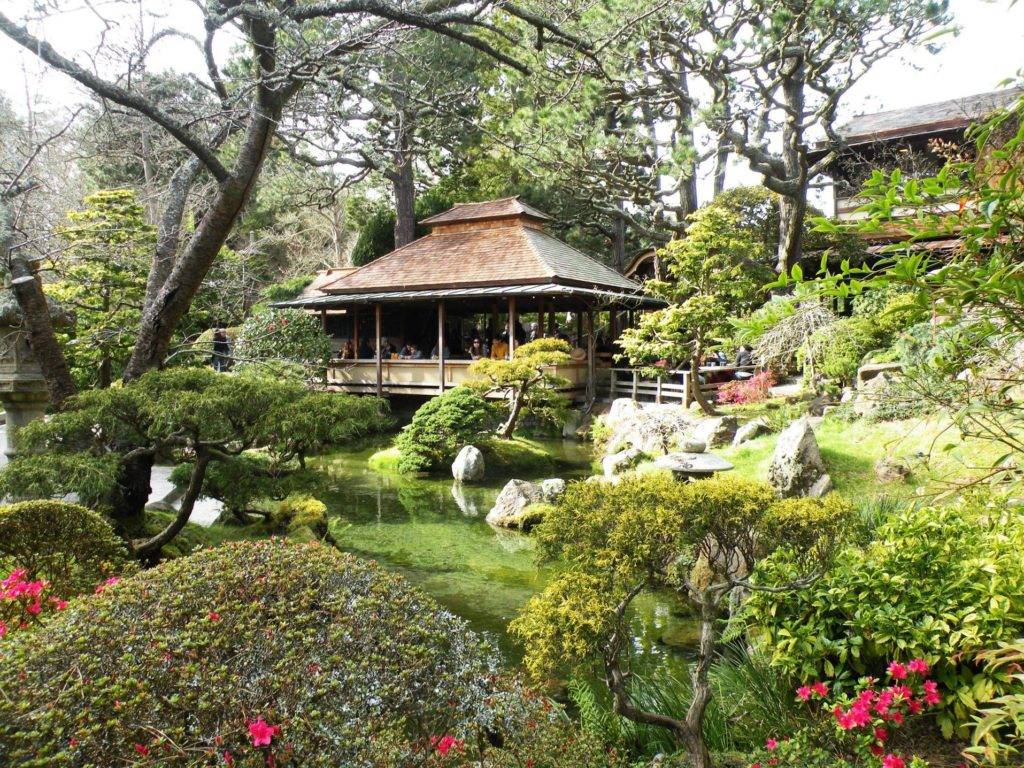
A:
x,y
433,532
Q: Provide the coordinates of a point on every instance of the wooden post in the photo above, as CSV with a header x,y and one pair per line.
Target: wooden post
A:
x,y
614,383
355,330
579,329
591,358
440,347
552,329
657,396
511,326
686,389
540,318
323,320
380,356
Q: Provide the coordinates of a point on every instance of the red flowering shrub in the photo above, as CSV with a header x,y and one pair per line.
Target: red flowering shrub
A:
x,y
24,602
856,730
756,389
250,654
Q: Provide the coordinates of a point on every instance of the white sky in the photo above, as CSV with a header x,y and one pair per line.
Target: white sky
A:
x,y
988,49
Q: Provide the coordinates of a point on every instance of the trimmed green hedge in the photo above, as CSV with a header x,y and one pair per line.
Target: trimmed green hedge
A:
x,y
177,662
70,546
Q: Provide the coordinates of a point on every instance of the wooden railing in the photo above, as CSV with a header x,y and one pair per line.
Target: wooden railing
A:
x,y
627,382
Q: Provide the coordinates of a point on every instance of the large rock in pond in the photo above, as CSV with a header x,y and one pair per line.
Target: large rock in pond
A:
x,y
715,432
509,507
797,468
468,466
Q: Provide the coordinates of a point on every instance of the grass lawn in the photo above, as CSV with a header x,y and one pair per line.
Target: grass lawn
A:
x,y
850,450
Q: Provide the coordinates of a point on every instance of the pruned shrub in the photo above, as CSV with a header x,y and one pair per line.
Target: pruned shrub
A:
x,y
250,654
299,512
441,427
68,545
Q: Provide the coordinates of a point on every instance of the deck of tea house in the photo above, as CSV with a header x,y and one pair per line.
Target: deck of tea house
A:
x,y
486,271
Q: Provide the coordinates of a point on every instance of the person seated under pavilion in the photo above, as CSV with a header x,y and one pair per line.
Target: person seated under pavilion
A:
x,y
499,349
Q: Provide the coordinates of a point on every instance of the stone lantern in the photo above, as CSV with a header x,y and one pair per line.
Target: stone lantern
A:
x,y
23,391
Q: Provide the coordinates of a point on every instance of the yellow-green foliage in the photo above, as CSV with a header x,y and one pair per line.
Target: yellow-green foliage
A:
x,y
300,511
534,515
652,532
70,546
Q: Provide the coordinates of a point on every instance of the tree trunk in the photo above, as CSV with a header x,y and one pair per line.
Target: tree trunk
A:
x,y
696,749
149,548
130,494
619,241
688,201
161,317
695,387
792,212
515,408
404,185
28,291
793,206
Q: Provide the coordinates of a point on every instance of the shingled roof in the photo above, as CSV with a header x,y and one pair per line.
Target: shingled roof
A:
x,y
950,115
506,207
496,243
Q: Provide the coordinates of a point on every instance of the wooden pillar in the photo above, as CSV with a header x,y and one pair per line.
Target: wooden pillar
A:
x,y
540,318
591,358
511,326
440,347
552,329
377,349
579,329
355,330
323,320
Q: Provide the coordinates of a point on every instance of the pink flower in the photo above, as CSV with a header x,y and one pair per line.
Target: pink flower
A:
x,y
897,718
803,692
820,688
931,693
771,745
892,761
881,734
34,607
18,574
59,603
897,671
213,616
101,588
918,666
142,749
261,732
3,629
446,744
755,765
914,707
229,759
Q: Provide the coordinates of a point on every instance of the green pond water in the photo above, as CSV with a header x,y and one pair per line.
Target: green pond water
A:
x,y
432,531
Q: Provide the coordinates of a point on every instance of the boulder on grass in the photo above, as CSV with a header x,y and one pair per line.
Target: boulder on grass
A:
x,y
715,432
890,470
552,489
510,506
872,394
468,466
749,431
797,468
621,461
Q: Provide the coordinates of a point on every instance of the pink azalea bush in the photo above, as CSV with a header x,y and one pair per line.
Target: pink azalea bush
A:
x,y
756,389
856,730
24,602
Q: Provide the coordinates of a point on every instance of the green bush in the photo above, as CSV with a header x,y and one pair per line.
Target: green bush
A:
x,y
70,546
179,662
283,335
839,350
300,511
942,583
441,427
285,290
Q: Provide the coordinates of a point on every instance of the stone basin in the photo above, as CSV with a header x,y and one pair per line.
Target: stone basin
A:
x,y
684,465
